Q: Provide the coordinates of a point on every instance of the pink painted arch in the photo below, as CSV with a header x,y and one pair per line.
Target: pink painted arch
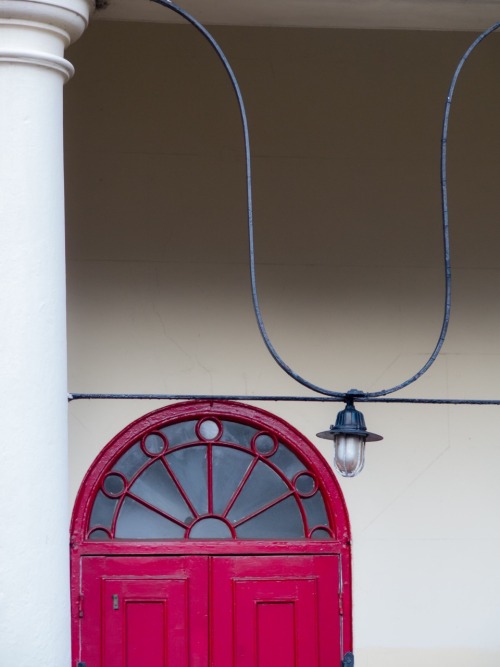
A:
x,y
209,470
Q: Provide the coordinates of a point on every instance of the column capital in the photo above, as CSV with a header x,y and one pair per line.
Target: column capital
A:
x,y
36,32
68,17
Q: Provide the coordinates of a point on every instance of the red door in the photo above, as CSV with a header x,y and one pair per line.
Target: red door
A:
x,y
270,611
275,611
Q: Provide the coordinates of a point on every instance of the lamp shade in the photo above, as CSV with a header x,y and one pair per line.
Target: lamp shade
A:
x,y
349,435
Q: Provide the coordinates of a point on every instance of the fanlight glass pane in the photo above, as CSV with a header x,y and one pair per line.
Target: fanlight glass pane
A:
x,y
138,522
99,535
210,528
103,511
287,462
262,487
189,466
209,430
154,444
315,510
240,434
228,468
265,445
320,534
281,522
113,485
158,489
131,461
179,434
305,485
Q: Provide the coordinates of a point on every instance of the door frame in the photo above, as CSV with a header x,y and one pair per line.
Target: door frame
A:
x,y
340,545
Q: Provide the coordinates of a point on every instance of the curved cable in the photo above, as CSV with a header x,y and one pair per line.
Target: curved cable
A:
x,y
445,221
248,167
444,210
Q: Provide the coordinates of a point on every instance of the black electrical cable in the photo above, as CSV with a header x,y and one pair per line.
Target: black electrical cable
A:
x,y
373,396
444,199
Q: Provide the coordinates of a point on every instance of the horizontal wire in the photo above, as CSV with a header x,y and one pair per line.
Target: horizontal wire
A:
x,y
303,399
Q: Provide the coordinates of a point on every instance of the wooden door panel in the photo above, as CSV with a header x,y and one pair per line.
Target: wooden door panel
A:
x,y
144,622
270,616
275,611
144,612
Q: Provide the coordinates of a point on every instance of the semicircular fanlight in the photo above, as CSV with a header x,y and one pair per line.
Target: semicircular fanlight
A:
x,y
208,479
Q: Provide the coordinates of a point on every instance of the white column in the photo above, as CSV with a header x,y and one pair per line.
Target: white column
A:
x,y
34,583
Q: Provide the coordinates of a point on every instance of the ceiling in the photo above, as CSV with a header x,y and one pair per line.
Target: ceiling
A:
x,y
473,15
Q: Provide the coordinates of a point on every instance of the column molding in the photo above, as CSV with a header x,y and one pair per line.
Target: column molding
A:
x,y
40,59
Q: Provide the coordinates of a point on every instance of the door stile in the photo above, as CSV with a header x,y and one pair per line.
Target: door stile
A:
x,y
210,619
345,587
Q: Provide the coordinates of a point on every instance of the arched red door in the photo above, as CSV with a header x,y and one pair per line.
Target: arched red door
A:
x,y
210,534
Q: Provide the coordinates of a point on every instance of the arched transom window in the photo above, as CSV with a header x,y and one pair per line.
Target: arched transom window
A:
x,y
209,478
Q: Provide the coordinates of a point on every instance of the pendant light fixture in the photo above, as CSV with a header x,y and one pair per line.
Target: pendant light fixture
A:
x,y
349,435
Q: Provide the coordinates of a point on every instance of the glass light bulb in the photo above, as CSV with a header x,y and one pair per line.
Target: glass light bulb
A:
x,y
349,456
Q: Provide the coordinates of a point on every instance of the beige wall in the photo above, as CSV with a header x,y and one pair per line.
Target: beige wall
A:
x,y
345,127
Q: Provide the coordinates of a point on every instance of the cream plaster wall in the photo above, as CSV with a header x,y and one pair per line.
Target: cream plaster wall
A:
x,y
345,128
